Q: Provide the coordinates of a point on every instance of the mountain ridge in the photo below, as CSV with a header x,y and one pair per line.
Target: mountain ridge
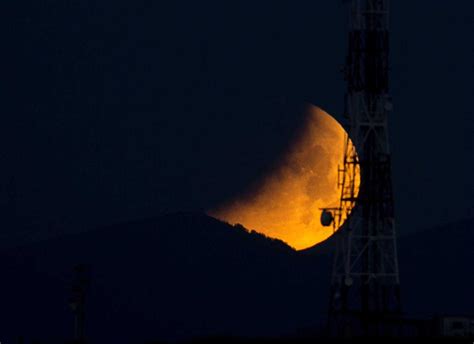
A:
x,y
184,275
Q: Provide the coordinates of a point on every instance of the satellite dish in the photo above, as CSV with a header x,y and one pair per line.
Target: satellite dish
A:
x,y
326,218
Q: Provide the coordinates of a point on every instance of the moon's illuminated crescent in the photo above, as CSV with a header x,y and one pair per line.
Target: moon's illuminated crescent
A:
x,y
286,204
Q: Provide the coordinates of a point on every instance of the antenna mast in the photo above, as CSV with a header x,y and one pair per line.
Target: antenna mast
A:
x,y
365,285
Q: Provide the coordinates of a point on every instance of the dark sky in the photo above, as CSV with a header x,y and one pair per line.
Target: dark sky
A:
x,y
116,110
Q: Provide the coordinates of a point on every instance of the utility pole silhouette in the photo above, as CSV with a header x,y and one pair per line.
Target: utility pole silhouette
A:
x,y
77,301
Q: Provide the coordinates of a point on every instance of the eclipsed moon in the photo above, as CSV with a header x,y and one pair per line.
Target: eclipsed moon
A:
x,y
286,204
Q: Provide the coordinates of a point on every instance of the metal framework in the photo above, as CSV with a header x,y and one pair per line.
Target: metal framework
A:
x,y
365,293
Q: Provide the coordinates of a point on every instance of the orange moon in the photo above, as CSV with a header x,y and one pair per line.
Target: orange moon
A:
x,y
286,204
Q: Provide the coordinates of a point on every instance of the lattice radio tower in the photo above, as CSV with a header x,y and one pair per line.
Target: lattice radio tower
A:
x,y
365,286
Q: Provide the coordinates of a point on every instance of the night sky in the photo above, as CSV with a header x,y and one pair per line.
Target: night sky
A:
x,y
118,110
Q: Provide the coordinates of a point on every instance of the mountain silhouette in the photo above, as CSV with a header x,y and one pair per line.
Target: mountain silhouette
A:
x,y
186,275
177,276
436,272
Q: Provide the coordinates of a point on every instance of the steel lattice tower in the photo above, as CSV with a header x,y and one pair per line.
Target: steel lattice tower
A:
x,y
365,292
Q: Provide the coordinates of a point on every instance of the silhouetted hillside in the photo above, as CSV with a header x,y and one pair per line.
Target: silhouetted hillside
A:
x,y
174,277
183,276
436,269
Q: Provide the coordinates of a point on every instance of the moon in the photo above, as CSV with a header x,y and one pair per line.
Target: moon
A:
x,y
287,202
